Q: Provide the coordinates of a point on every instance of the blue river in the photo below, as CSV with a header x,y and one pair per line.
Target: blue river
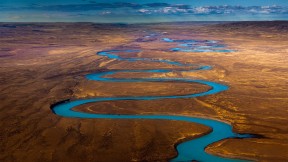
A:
x,y
187,151
198,45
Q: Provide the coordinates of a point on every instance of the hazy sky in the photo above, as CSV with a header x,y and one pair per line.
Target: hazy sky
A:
x,y
130,11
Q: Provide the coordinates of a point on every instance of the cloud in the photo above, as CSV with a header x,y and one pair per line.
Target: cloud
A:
x,y
157,5
201,10
85,7
105,13
156,8
90,10
144,11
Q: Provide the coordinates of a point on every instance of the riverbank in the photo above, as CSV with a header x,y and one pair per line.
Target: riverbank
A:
x,y
39,68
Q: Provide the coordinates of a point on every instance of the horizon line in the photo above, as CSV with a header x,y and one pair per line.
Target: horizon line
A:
x,y
198,21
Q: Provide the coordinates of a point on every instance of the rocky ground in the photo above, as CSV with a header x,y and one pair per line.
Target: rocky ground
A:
x,y
42,64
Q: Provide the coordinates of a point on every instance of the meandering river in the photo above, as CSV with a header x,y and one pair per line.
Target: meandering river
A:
x,y
188,150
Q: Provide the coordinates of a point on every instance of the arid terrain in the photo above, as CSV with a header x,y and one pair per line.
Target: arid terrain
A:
x,y
45,63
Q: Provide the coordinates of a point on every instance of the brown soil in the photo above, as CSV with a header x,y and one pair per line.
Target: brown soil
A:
x,y
42,64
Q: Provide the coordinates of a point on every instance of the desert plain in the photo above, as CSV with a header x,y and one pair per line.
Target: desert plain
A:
x,y
46,63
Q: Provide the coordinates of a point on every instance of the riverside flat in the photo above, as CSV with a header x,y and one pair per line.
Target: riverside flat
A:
x,y
187,151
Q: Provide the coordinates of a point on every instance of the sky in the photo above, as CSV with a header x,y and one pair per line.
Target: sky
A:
x,y
141,11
